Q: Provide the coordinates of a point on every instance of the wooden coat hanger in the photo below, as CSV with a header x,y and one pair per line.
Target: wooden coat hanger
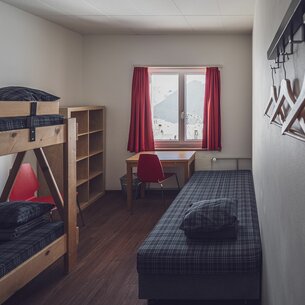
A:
x,y
295,112
286,94
272,100
273,93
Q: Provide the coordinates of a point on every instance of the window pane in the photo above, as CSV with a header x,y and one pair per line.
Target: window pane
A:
x,y
194,101
164,99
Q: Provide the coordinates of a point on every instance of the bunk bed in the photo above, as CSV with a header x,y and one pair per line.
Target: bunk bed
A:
x,y
57,239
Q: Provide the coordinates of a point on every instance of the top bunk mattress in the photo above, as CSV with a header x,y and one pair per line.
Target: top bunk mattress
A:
x,y
167,250
14,253
23,101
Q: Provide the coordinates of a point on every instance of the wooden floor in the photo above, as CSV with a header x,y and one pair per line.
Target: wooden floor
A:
x,y
106,272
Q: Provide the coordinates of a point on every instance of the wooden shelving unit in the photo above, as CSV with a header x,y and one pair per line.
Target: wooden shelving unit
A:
x,y
90,154
90,163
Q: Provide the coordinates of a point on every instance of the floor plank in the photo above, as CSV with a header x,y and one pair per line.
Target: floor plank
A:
x,y
106,271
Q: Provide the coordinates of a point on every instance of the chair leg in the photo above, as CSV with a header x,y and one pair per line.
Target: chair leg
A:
x,y
148,189
80,212
177,181
142,188
162,194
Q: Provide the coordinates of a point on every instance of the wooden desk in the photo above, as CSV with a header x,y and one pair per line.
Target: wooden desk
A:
x,y
184,159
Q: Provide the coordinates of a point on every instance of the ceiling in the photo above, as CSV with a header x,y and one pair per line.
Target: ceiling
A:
x,y
145,16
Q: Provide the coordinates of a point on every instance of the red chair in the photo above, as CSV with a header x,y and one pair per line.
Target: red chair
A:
x,y
26,186
150,170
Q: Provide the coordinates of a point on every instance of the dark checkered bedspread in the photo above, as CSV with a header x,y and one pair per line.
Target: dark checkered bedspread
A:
x,y
37,121
167,250
14,253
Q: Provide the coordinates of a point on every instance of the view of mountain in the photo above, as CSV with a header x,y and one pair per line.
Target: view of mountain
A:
x,y
167,109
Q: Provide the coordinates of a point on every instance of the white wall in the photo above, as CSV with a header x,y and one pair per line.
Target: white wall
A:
x,y
39,54
278,165
108,66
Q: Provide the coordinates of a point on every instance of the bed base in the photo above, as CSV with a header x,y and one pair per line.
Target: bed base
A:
x,y
28,270
238,286
14,141
17,108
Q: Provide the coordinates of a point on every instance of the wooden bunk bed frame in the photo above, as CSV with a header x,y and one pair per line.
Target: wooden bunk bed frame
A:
x,y
16,142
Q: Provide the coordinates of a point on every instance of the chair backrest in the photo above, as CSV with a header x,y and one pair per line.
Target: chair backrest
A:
x,y
150,168
25,185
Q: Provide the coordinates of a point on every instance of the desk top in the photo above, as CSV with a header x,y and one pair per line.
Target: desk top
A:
x,y
170,156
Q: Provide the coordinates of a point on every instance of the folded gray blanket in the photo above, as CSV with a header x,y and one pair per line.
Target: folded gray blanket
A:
x,y
15,232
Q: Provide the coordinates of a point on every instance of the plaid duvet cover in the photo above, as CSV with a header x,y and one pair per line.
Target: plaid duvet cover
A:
x,y
14,253
37,121
16,93
167,250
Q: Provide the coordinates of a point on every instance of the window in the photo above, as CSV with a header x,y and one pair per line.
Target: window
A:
x,y
177,99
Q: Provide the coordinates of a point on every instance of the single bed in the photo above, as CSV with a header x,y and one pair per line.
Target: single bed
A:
x,y
170,266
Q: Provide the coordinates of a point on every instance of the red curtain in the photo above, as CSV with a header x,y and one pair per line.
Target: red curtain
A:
x,y
211,117
140,131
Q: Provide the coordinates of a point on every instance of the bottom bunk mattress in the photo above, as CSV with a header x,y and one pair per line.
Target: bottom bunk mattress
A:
x,y
167,256
14,253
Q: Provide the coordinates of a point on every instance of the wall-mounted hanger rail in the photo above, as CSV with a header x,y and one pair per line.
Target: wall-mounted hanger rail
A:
x,y
292,22
284,108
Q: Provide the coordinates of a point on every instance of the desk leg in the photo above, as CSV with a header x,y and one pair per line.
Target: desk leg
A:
x,y
186,172
189,168
129,187
192,168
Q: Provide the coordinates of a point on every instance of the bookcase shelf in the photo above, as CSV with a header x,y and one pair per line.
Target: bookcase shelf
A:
x,y
96,122
94,174
95,167
82,147
81,182
97,130
90,156
82,117
83,194
96,152
90,166
82,170
95,142
95,185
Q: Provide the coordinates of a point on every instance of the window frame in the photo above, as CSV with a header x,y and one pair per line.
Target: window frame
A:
x,y
182,143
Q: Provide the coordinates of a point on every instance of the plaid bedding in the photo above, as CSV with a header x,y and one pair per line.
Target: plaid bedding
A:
x,y
36,121
15,232
168,251
14,253
14,93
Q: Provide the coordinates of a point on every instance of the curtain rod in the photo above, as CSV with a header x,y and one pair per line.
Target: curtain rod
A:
x,y
178,66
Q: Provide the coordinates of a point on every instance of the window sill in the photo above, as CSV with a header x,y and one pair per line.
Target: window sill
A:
x,y
179,148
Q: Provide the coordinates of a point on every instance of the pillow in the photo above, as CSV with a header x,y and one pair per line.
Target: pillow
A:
x,y
14,93
210,216
16,213
15,232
